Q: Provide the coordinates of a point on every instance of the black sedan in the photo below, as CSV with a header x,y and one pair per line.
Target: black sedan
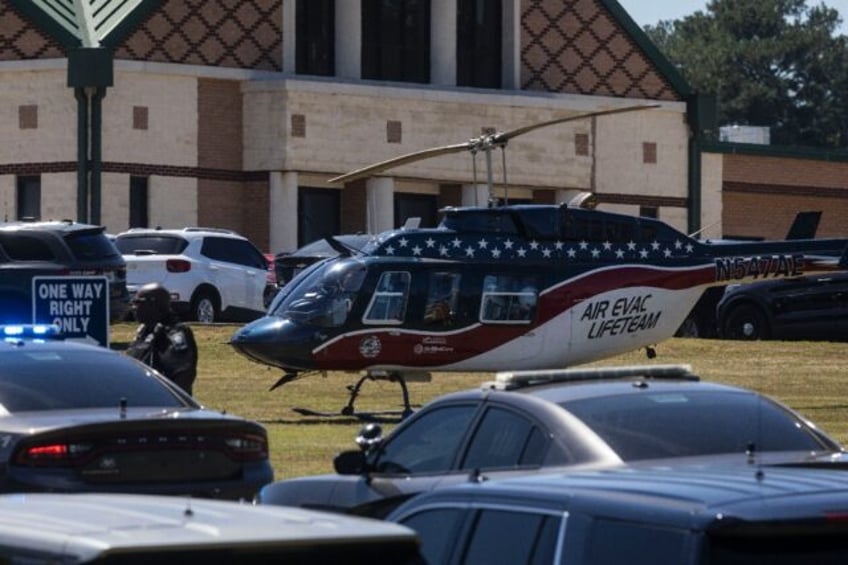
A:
x,y
810,308
525,423
81,418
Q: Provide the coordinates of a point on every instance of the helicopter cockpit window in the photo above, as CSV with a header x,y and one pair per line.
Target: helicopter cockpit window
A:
x,y
388,304
442,298
324,296
509,299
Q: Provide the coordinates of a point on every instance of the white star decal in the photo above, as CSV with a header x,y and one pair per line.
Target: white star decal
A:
x,y
403,242
483,244
416,250
631,246
584,246
689,248
431,243
534,245
619,254
643,254
607,246
655,246
443,251
508,244
667,253
390,250
457,243
559,245
522,252
496,253
596,253
678,244
546,253
469,252
571,253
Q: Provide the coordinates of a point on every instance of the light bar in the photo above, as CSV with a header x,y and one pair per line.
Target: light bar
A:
x,y
38,331
509,380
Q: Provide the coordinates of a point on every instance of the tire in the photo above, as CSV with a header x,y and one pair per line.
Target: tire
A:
x,y
204,307
689,328
746,322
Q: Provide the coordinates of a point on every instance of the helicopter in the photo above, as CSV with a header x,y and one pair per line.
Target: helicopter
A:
x,y
523,286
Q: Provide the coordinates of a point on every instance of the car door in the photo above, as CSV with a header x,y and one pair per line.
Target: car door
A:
x,y
417,457
239,269
811,307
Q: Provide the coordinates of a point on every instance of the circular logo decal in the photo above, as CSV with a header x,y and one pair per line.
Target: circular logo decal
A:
x,y
370,347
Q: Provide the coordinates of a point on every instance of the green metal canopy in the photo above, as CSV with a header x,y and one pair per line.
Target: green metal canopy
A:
x,y
87,23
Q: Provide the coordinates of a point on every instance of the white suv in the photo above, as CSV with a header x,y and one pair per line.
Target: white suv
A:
x,y
212,274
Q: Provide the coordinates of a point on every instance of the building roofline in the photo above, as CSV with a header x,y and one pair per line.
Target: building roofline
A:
x,y
785,151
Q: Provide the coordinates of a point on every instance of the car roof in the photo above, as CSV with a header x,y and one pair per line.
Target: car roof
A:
x,y
672,492
91,525
187,232
62,226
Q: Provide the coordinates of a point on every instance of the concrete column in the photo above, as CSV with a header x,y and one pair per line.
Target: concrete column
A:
x,y
289,26
283,211
349,39
475,195
443,15
511,46
379,194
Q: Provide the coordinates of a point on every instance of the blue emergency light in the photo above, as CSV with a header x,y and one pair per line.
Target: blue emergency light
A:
x,y
32,331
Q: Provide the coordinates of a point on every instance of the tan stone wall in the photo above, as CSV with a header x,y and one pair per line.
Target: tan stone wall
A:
x,y
173,201
711,200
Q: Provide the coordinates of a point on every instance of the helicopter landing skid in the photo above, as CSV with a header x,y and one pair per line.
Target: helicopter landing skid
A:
x,y
348,409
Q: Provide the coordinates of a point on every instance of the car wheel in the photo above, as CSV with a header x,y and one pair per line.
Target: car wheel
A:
x,y
747,322
204,307
689,328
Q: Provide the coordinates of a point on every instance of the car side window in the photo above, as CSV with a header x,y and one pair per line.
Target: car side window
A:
x,y
505,536
505,439
428,443
21,247
437,529
232,250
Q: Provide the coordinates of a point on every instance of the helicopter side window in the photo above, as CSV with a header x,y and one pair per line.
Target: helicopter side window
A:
x,y
442,298
388,304
509,299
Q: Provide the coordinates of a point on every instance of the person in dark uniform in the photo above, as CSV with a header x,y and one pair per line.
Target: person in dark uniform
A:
x,y
162,341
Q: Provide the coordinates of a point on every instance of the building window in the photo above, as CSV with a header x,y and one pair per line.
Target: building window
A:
x,y
28,116
140,117
139,198
319,214
649,152
478,43
424,206
649,212
29,198
315,32
396,40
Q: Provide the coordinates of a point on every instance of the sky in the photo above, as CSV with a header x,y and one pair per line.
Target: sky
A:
x,y
649,12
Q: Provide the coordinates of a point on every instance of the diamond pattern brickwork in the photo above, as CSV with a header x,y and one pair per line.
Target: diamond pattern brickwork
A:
x,y
577,46
245,34
20,39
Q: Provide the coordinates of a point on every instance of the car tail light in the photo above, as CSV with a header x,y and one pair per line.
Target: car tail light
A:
x,y
177,265
247,447
52,454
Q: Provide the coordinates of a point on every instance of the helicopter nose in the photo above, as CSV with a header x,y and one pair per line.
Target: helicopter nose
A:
x,y
276,342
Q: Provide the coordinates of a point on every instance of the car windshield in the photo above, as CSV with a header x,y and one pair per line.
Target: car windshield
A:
x,y
689,423
62,379
150,244
323,296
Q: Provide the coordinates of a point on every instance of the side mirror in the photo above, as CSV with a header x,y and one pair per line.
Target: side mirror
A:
x,y
350,463
369,436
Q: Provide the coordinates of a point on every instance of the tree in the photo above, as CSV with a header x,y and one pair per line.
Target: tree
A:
x,y
776,63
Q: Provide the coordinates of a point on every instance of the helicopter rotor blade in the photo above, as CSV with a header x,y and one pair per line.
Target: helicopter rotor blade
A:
x,y
402,160
507,135
484,142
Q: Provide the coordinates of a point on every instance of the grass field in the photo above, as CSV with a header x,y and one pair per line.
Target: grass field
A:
x,y
810,377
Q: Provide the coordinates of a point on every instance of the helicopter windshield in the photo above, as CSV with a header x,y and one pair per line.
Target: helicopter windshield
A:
x,y
324,295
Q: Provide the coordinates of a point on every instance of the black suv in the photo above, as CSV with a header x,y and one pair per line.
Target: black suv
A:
x,y
56,248
813,307
707,514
